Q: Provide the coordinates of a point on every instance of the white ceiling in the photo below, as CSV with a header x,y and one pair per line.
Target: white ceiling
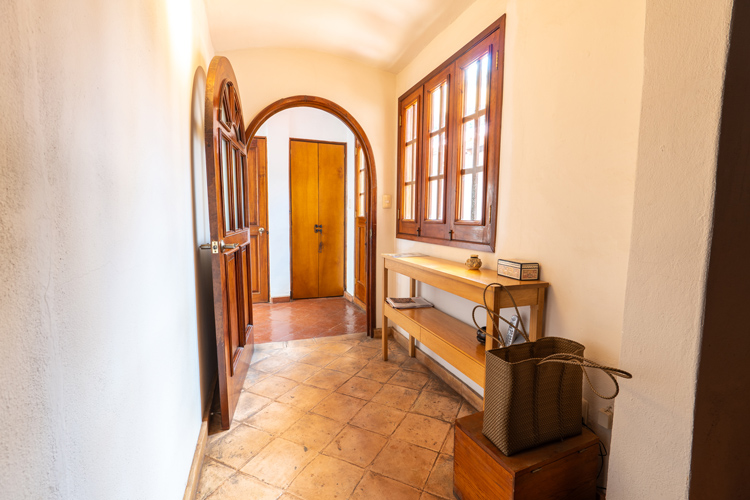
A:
x,y
383,33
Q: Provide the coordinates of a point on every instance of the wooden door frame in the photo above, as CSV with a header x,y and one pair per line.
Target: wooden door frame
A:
x,y
291,220
371,205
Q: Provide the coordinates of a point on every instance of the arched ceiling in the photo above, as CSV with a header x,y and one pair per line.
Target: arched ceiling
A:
x,y
383,33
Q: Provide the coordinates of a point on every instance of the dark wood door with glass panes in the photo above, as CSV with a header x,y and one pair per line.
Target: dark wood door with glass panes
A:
x,y
360,227
231,262
317,179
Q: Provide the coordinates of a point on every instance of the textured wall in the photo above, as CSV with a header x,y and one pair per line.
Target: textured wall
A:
x,y
685,56
99,356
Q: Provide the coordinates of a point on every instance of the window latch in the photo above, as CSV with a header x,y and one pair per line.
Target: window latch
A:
x,y
451,234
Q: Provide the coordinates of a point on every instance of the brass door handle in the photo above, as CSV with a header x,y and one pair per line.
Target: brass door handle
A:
x,y
229,246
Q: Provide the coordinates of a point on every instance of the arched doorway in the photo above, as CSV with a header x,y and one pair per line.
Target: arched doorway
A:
x,y
371,201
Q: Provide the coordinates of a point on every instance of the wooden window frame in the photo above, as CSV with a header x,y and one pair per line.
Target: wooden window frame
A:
x,y
451,231
409,226
437,228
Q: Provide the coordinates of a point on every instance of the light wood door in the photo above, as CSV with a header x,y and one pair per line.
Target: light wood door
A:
x,y
257,207
360,227
228,208
317,190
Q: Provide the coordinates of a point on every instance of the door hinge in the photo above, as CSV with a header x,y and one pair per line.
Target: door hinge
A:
x,y
398,213
497,58
399,120
370,233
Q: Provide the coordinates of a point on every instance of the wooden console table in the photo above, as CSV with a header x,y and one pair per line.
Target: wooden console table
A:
x,y
449,338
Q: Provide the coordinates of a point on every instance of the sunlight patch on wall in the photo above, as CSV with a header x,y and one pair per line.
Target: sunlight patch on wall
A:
x,y
180,23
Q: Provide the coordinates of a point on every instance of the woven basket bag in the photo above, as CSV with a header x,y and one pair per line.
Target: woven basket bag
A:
x,y
533,390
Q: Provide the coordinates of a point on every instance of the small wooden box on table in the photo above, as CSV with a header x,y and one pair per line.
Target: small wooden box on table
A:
x,y
451,339
564,470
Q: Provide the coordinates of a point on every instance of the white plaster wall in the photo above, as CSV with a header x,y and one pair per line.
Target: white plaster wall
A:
x,y
685,47
300,123
99,360
572,89
367,93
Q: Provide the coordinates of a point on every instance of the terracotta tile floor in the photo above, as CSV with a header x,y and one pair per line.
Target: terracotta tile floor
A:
x,y
327,419
306,319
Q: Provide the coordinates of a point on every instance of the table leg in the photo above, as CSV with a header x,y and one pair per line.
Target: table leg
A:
x,y
412,293
385,319
493,302
537,316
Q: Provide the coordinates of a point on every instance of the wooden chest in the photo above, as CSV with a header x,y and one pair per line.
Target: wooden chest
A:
x,y
564,470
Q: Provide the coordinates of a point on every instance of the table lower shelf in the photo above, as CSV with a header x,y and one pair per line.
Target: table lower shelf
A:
x,y
451,339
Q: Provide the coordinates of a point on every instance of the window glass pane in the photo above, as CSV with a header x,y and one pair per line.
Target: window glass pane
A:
x,y
409,202
225,182
481,140
233,173
409,163
484,81
435,166
466,197
224,109
240,190
470,88
409,120
445,105
414,121
361,205
478,189
468,145
432,207
472,191
435,115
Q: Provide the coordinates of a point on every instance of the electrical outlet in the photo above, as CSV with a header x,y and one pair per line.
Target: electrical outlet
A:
x,y
585,411
604,418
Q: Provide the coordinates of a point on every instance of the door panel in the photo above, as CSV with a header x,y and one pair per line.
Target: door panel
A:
x,y
303,178
360,226
229,199
317,176
360,269
257,217
331,216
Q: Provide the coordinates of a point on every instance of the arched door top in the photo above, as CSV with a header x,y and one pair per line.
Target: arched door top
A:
x,y
346,117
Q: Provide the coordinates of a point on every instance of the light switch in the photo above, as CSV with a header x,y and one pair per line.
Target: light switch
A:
x,y
386,201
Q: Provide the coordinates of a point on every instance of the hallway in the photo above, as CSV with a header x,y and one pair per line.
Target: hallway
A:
x,y
325,418
306,319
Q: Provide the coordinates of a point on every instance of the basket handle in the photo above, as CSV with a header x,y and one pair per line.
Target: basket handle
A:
x,y
495,317
573,359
